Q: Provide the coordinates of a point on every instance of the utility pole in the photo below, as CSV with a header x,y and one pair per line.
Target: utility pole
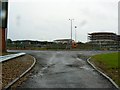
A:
x,y
3,25
71,33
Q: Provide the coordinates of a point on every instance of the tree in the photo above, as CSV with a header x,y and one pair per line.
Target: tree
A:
x,y
9,41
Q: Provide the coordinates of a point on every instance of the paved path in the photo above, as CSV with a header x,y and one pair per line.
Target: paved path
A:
x,y
10,56
63,69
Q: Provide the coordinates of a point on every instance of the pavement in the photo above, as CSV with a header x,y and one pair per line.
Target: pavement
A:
x,y
64,69
10,56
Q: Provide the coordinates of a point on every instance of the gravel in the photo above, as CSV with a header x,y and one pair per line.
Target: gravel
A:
x,y
15,67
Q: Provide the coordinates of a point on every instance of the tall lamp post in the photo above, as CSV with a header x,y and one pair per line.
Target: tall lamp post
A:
x,y
75,34
3,24
71,32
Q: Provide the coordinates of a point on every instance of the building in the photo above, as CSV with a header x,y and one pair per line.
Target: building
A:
x,y
69,43
118,41
63,41
106,40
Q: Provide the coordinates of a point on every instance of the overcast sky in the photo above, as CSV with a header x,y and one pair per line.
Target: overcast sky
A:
x,y
49,19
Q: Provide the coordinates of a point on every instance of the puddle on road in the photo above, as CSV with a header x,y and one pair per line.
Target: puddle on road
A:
x,y
79,67
55,73
73,65
80,60
86,68
76,64
43,71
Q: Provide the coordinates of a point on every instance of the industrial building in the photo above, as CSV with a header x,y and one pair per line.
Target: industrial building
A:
x,y
105,40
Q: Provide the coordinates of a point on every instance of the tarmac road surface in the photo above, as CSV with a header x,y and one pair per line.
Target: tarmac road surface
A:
x,y
63,69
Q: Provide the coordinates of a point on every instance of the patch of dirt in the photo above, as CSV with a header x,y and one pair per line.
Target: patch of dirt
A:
x,y
15,67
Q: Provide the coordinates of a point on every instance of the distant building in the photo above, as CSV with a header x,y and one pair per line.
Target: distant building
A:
x,y
67,42
63,41
104,39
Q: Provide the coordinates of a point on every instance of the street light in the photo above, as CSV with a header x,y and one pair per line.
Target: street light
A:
x,y
71,32
75,34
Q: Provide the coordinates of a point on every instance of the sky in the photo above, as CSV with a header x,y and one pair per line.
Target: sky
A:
x,y
48,20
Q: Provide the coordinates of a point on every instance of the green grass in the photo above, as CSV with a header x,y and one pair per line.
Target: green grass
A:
x,y
111,59
109,64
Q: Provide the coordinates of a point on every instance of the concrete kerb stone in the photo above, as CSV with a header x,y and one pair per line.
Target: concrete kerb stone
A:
x,y
103,74
11,56
15,80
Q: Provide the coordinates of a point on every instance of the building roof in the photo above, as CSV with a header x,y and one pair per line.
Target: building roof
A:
x,y
97,33
62,40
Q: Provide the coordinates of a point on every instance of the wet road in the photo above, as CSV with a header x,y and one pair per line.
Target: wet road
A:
x,y
63,69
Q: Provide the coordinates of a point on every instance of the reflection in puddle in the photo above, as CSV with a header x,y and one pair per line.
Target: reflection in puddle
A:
x,y
86,68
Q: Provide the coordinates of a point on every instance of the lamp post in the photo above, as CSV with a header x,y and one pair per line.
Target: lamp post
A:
x,y
71,32
3,24
75,34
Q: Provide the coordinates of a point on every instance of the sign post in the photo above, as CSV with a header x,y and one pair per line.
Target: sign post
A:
x,y
3,25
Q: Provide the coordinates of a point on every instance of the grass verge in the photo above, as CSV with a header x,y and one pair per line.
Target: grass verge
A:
x,y
109,64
